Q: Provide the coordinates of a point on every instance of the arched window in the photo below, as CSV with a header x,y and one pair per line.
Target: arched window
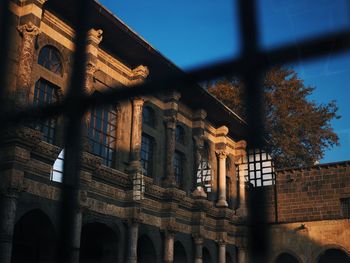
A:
x,y
46,93
178,167
147,154
102,135
148,116
179,134
49,58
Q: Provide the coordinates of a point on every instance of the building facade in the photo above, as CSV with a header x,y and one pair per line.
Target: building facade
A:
x,y
162,176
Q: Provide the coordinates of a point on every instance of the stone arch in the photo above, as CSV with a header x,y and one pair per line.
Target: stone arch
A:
x,y
286,257
229,258
334,255
66,55
207,257
231,253
318,253
285,253
209,251
153,234
187,242
34,238
146,251
99,243
115,225
180,255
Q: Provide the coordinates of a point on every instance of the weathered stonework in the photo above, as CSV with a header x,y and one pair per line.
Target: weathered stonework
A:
x,y
168,216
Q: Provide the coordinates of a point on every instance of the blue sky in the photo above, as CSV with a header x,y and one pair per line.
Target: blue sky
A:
x,y
199,32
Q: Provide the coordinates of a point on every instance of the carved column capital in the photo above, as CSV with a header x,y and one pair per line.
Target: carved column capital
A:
x,y
29,29
137,101
222,154
198,239
170,122
95,35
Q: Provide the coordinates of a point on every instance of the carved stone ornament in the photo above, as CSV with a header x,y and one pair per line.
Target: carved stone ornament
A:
x,y
29,29
221,154
95,35
90,68
42,1
140,72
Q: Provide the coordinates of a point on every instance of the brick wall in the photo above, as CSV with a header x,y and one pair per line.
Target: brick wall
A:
x,y
312,193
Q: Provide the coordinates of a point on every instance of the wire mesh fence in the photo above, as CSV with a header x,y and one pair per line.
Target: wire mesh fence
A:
x,y
250,65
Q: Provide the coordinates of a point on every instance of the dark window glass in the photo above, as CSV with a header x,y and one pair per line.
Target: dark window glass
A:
x,y
148,116
102,130
147,155
49,58
345,206
178,167
180,134
46,93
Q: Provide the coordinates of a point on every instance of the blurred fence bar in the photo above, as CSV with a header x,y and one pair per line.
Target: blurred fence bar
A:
x,y
250,65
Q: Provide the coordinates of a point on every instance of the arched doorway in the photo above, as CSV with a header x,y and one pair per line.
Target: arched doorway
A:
x,y
229,258
334,256
99,243
206,256
286,258
34,239
179,253
146,252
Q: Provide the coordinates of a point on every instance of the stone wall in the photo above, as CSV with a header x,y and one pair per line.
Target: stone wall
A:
x,y
309,194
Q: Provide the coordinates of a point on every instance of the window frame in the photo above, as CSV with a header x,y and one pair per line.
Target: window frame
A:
x,y
40,98
147,163
102,134
47,61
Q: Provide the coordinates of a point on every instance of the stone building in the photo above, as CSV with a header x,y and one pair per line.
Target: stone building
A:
x,y
162,176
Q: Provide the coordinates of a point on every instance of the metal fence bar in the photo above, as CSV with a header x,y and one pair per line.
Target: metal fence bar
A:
x,y
313,48
254,99
4,49
70,218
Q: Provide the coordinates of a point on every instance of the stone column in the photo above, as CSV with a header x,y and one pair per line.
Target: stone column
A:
x,y
169,247
170,150
242,190
29,33
94,38
8,207
242,255
198,256
77,236
222,251
136,131
133,232
222,179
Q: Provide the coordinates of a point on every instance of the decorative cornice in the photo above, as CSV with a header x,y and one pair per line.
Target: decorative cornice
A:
x,y
95,35
222,131
29,28
140,72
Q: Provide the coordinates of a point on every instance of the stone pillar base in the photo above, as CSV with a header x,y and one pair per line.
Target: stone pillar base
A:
x,y
199,193
222,203
131,260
